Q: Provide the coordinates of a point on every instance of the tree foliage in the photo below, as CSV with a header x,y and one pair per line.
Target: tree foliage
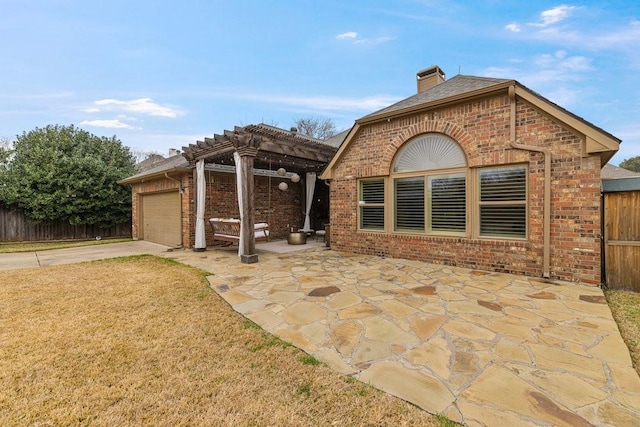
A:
x,y
5,151
65,173
632,164
316,128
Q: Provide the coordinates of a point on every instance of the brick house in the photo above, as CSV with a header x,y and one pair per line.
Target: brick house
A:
x,y
475,172
164,196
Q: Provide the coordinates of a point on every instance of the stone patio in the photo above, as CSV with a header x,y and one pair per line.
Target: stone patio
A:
x,y
485,349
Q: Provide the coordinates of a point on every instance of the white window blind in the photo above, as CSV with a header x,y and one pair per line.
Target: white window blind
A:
x,y
371,204
429,152
448,211
409,204
503,202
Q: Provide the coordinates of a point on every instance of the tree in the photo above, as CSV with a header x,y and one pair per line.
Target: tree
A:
x,y
632,164
141,155
316,128
65,173
5,150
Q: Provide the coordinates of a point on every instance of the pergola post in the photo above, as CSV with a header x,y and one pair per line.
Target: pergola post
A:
x,y
247,148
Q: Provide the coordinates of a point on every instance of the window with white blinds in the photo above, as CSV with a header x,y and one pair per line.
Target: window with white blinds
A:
x,y
371,204
446,200
409,206
503,202
448,207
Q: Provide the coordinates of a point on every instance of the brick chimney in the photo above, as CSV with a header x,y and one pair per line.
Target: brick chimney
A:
x,y
429,77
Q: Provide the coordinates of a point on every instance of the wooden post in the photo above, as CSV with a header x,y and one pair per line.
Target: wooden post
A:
x,y
248,206
246,146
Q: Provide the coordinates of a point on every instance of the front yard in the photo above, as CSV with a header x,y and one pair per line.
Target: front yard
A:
x,y
145,341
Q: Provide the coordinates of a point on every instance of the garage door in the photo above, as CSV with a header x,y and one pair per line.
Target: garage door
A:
x,y
161,220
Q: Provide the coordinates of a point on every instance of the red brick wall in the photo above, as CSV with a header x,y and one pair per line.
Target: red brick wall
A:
x,y
280,209
481,128
160,185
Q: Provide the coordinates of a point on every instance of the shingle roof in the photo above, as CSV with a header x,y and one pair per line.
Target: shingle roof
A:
x,y
174,163
454,86
615,172
337,139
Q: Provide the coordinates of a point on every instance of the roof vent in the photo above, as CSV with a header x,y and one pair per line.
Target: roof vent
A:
x,y
429,77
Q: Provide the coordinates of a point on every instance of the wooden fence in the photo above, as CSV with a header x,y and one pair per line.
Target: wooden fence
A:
x,y
622,240
15,227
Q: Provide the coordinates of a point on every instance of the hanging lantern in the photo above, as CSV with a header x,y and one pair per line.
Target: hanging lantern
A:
x,y
281,171
283,186
295,178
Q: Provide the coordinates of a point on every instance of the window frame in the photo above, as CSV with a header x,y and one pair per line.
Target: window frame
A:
x,y
364,205
426,175
478,203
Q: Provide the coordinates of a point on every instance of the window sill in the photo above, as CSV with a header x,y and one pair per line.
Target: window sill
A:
x,y
522,243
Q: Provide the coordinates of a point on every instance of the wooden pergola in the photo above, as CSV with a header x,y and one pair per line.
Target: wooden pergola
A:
x,y
259,146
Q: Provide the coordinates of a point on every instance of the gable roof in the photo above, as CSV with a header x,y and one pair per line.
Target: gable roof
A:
x,y
149,162
461,88
337,139
172,164
450,88
615,172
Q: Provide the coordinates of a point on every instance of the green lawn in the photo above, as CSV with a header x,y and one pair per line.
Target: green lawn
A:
x,y
44,246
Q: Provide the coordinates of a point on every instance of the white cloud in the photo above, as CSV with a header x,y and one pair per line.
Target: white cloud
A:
x,y
144,106
621,37
554,75
347,36
111,124
557,66
357,40
310,103
159,142
513,27
562,64
373,41
328,103
553,16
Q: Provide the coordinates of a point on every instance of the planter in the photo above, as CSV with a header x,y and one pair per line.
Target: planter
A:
x,y
297,238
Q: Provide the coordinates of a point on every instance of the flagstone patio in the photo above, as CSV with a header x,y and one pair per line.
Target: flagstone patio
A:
x,y
485,349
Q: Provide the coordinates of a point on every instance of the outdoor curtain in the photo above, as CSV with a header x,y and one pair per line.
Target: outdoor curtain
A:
x,y
311,186
200,196
237,159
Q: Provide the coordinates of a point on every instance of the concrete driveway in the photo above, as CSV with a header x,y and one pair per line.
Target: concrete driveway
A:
x,y
13,261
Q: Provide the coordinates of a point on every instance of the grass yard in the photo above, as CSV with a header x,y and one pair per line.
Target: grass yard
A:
x,y
45,246
144,341
625,307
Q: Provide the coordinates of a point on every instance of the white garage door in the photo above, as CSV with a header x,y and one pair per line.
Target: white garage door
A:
x,y
161,219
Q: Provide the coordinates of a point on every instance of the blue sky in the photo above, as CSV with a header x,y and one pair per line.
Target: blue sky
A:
x,y
163,74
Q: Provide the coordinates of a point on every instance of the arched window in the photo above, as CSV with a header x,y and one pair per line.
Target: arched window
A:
x,y
429,152
430,186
